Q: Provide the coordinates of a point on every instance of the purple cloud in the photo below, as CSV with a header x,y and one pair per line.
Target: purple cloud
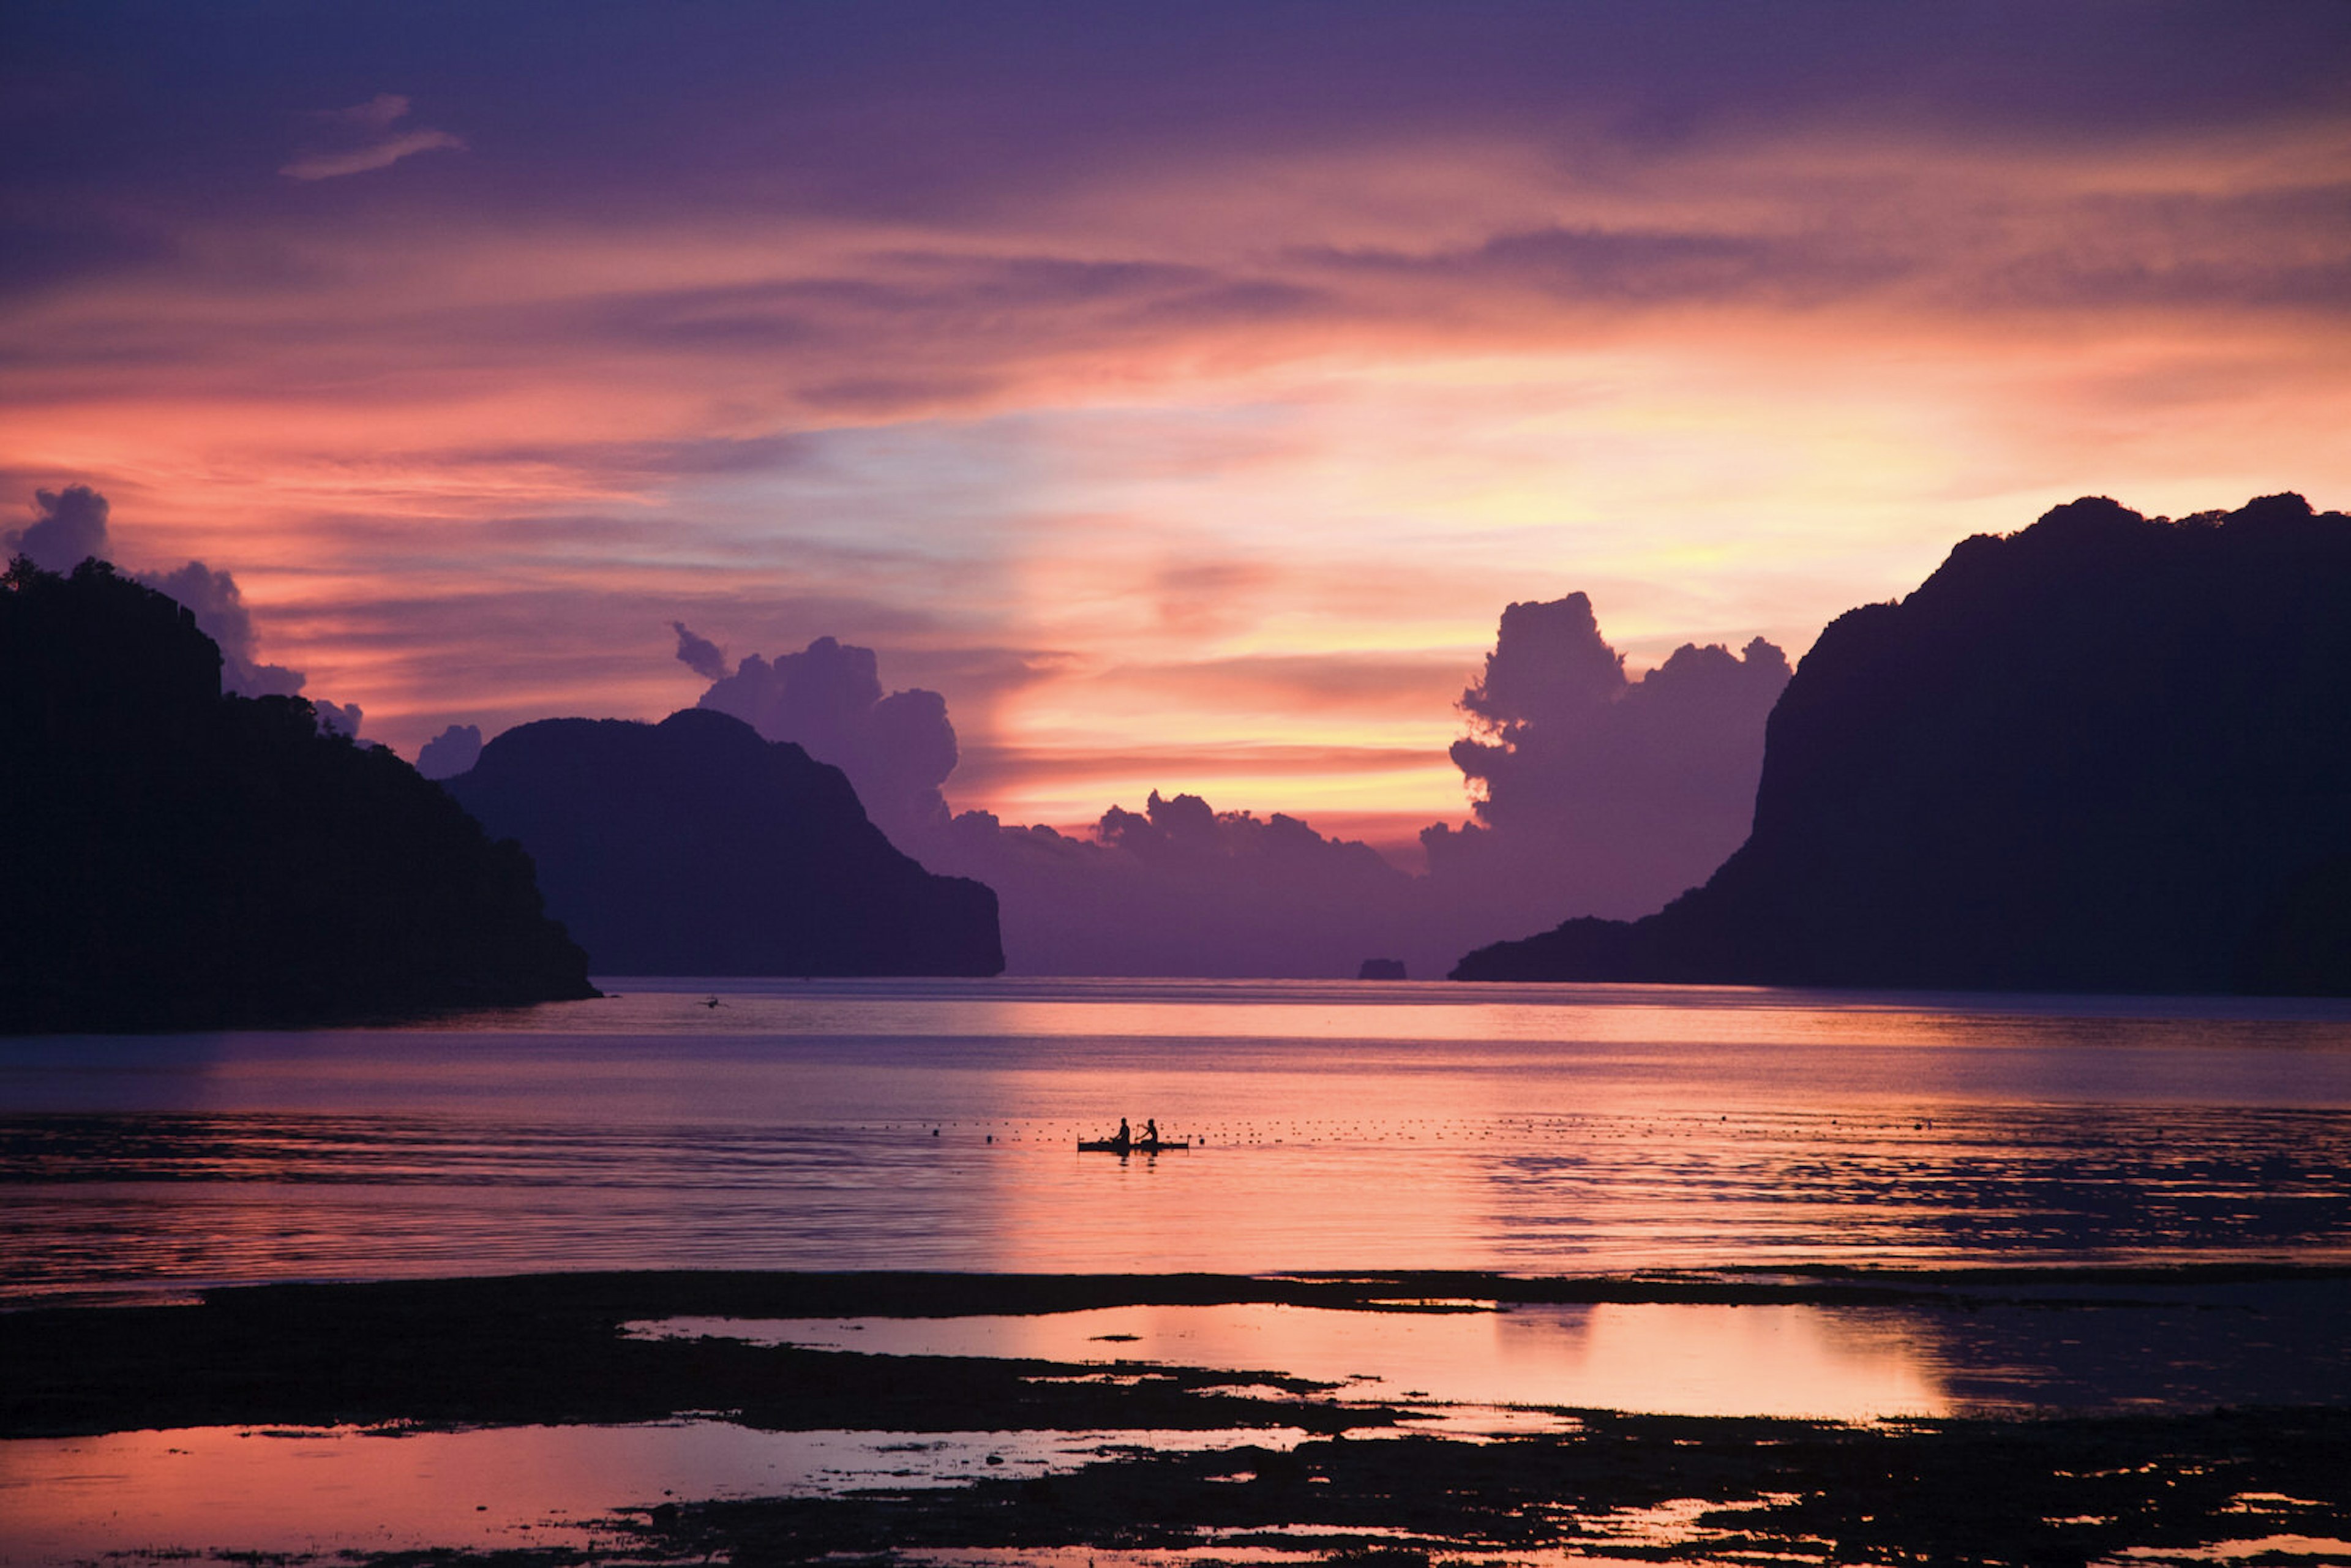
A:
x,y
70,527
377,150
700,654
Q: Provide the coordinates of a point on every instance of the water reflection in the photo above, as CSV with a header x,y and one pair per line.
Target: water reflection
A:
x,y
1800,1361
1463,1373
2073,1344
90,1201
1337,1128
230,1490
933,1126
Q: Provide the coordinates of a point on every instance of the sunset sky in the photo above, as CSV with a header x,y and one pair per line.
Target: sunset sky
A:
x,y
1182,392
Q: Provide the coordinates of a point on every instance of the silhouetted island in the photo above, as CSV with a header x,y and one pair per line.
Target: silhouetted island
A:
x,y
2104,754
180,859
696,847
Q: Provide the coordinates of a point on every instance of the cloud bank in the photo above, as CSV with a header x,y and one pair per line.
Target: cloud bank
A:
x,y
1594,793
897,749
1180,888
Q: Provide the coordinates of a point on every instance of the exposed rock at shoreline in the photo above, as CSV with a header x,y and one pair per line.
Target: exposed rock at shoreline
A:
x,y
695,847
183,859
1616,1487
2104,754
2071,1486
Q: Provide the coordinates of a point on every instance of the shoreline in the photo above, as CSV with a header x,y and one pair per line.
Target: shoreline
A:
x,y
941,1292
1355,1480
556,1346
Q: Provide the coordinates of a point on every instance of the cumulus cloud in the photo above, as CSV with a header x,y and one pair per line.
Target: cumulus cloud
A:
x,y
339,718
700,654
1180,888
1175,888
366,140
1597,791
67,528
1184,833
220,611
453,751
897,749
1597,794
72,526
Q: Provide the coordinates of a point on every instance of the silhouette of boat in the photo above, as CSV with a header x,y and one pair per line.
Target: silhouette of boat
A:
x,y
1133,1147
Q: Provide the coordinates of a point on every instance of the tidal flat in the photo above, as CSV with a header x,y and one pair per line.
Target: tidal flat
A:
x,y
1447,1275
2187,1414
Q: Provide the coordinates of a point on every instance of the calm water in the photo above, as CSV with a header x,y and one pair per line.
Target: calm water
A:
x,y
1334,1127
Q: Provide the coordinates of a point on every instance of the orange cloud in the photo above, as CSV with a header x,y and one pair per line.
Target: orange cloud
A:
x,y
1242,450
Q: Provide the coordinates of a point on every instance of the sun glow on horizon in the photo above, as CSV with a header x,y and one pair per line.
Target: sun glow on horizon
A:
x,y
1220,445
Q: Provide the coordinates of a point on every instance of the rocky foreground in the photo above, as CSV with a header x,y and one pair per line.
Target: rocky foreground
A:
x,y
1356,1482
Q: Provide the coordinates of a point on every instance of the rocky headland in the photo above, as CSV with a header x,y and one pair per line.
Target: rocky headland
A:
x,y
181,859
696,847
2107,753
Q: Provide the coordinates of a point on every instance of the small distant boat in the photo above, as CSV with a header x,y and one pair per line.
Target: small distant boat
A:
x,y
1132,1146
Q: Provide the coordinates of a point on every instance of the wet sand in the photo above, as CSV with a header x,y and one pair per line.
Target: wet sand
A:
x,y
2101,1466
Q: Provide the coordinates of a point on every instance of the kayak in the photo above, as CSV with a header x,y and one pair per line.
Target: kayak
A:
x,y
1135,1147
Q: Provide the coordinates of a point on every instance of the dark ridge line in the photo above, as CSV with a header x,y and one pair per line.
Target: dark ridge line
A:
x,y
895,1294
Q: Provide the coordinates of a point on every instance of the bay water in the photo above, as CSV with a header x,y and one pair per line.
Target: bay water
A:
x,y
935,1125
1331,1127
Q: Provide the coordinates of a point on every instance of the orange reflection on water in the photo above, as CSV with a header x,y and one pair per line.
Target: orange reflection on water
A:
x,y
1832,1364
227,1489
1340,1126
1016,1008
1726,1360
222,1487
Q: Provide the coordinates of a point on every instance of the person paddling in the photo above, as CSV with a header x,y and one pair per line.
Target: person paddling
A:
x,y
1125,1139
1150,1131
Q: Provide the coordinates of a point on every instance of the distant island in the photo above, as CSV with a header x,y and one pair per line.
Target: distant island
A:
x,y
180,859
2107,753
696,847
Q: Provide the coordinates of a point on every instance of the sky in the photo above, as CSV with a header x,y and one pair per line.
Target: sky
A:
x,y
1183,393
